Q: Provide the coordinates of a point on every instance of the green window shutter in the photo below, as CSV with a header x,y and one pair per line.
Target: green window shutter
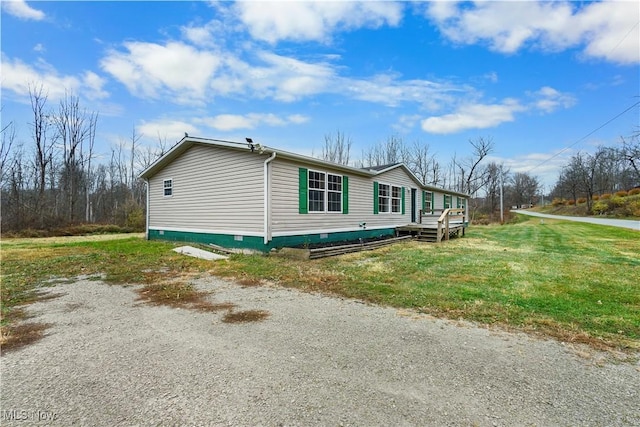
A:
x,y
376,206
345,194
444,203
303,194
433,200
402,194
424,202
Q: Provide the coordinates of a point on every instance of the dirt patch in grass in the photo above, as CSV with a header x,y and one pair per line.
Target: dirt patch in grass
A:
x,y
180,295
245,316
247,282
16,336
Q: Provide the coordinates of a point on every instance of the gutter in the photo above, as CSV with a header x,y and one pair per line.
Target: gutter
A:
x,y
146,181
267,199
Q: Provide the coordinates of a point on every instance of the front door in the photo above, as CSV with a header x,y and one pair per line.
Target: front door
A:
x,y
414,192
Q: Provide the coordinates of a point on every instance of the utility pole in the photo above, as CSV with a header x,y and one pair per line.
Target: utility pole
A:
x,y
501,198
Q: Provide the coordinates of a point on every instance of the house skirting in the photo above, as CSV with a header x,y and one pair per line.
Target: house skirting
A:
x,y
257,242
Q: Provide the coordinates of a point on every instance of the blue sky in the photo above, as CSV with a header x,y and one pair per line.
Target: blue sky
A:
x,y
536,77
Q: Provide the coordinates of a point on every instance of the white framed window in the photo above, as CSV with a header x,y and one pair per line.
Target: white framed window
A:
x,y
383,198
396,199
428,201
325,192
447,201
167,187
389,198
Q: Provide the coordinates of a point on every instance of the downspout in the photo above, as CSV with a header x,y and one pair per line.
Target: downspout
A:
x,y
267,199
146,181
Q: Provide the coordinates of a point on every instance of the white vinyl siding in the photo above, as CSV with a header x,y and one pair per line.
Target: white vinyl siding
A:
x,y
213,189
288,218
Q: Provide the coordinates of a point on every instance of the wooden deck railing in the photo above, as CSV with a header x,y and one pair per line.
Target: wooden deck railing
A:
x,y
449,217
450,220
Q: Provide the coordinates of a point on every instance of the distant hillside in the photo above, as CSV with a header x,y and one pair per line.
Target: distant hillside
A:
x,y
619,205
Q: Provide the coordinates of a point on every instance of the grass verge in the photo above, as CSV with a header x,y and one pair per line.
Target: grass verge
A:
x,y
572,281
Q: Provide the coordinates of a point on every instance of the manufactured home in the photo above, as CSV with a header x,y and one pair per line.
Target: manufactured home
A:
x,y
244,195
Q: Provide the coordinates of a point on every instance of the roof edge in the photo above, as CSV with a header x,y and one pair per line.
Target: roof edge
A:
x,y
188,141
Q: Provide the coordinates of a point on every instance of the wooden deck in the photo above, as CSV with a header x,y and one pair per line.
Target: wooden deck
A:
x,y
436,228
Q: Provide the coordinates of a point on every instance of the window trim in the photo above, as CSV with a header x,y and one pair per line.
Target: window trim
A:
x,y
390,198
447,201
325,191
165,187
427,199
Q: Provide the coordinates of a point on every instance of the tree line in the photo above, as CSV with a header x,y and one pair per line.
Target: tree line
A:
x,y
57,179
607,171
471,174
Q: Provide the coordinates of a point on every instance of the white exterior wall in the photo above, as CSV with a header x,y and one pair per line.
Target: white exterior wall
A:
x,y
286,219
215,190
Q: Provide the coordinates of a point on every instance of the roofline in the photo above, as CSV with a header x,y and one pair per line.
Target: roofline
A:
x,y
188,141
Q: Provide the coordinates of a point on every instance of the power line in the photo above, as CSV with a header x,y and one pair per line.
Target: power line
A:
x,y
584,137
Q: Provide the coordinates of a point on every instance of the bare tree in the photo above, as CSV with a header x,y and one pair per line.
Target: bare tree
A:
x,y
496,176
74,126
631,153
391,151
524,189
43,146
423,164
91,137
337,148
8,138
470,175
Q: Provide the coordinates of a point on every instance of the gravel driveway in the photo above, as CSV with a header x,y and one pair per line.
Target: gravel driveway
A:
x,y
109,360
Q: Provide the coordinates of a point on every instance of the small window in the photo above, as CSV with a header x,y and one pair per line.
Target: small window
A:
x,y
316,191
447,201
396,198
428,197
168,187
383,197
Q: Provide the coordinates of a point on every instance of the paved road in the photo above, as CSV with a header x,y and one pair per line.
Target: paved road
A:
x,y
622,223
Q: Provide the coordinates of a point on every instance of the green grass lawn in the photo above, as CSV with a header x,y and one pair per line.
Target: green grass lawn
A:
x,y
572,281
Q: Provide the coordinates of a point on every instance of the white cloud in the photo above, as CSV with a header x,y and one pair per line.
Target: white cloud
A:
x,y
473,116
229,122
545,166
313,20
39,48
407,122
606,30
174,69
289,79
20,9
172,130
184,74
208,35
18,76
548,99
482,116
391,90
